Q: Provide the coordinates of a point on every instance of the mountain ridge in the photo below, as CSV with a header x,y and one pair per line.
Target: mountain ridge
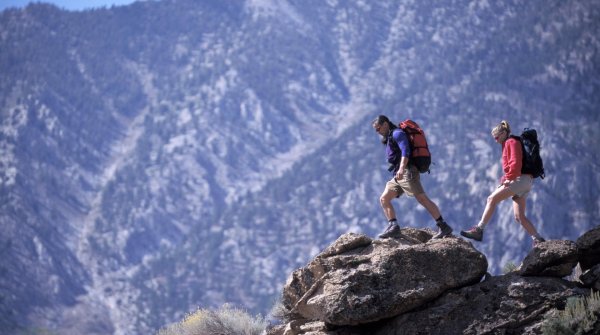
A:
x,y
180,144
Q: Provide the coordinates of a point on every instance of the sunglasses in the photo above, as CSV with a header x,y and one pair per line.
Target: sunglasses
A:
x,y
497,136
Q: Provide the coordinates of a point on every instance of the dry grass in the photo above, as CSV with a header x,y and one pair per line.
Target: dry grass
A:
x,y
225,320
580,316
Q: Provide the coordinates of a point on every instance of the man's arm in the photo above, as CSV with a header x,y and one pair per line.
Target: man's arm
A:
x,y
402,168
404,145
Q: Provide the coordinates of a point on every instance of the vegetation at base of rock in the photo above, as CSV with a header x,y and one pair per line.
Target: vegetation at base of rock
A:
x,y
509,267
225,320
280,312
579,317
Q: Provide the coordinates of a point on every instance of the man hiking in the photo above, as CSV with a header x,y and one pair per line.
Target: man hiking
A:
x,y
405,179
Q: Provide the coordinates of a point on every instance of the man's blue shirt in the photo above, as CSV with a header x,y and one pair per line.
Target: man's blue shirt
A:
x,y
397,146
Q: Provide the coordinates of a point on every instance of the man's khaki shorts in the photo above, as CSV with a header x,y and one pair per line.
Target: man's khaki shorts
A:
x,y
410,183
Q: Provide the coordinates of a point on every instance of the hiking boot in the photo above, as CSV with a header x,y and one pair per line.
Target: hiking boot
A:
x,y
475,233
392,229
537,241
444,231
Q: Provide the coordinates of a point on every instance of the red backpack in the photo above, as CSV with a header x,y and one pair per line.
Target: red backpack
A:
x,y
420,156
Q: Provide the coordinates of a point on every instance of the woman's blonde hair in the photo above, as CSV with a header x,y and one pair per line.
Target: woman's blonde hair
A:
x,y
501,127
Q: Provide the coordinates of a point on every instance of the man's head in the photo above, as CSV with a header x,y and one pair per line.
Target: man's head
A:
x,y
382,125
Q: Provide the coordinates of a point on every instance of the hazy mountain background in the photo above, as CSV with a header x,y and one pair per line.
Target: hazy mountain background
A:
x,y
167,155
69,4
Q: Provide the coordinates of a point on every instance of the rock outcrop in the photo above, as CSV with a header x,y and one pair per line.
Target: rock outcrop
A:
x,y
509,304
414,285
551,259
591,278
358,280
589,248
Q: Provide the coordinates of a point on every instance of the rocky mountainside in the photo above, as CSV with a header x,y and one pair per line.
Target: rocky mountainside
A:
x,y
172,154
411,284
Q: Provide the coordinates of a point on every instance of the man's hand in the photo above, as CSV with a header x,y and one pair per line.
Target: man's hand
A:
x,y
399,174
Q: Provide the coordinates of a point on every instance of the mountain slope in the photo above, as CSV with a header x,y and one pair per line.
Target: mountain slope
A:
x,y
173,154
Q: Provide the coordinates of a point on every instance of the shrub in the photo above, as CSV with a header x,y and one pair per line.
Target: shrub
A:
x,y
225,320
280,312
509,267
579,317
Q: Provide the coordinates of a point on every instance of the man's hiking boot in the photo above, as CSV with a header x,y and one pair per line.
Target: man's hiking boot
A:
x,y
444,231
392,230
475,233
537,241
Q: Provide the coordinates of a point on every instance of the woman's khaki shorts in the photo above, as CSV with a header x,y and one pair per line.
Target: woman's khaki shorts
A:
x,y
521,186
410,183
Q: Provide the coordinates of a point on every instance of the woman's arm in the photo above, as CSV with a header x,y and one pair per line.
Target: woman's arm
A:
x,y
514,157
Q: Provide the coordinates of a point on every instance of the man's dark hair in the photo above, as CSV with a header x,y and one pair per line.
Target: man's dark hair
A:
x,y
380,120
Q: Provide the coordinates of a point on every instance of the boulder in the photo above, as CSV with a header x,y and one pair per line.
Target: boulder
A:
x,y
509,304
303,327
591,277
414,285
589,248
358,280
551,259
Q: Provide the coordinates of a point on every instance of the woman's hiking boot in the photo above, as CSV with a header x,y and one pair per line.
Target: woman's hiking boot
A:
x,y
391,230
475,233
444,231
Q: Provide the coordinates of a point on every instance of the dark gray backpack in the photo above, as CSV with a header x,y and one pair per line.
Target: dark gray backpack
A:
x,y
532,161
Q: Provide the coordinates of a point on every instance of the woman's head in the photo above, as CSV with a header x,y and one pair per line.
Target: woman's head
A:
x,y
501,131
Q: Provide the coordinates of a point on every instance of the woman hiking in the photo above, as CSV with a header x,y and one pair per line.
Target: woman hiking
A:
x,y
513,185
